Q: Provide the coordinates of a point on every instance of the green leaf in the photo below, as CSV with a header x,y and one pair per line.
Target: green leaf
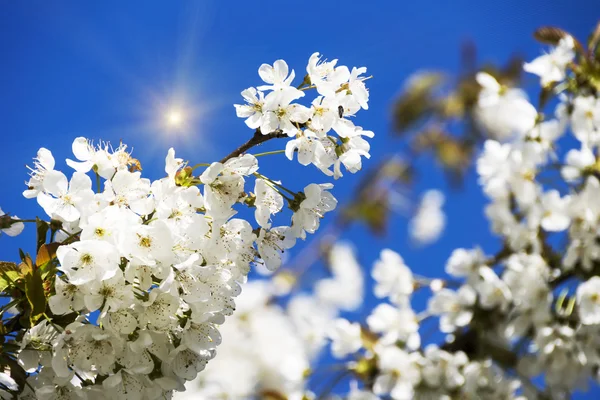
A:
x,y
34,290
13,276
42,230
3,284
7,279
46,252
26,267
417,102
6,266
9,273
22,255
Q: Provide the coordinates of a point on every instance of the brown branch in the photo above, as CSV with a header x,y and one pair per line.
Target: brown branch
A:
x,y
257,139
476,346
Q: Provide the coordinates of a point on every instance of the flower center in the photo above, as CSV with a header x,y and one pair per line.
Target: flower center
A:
x,y
86,259
145,241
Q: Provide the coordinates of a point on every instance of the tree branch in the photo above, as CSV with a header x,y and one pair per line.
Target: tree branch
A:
x,y
257,138
474,345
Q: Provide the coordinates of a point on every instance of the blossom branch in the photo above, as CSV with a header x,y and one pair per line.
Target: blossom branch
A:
x,y
113,241
257,138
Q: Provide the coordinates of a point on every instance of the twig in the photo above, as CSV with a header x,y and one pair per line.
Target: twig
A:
x,y
257,139
337,379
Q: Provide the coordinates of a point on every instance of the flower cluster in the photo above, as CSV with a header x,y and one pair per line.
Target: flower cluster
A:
x,y
341,94
531,309
522,323
268,346
139,274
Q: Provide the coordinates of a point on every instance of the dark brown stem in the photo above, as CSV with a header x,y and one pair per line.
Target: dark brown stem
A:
x,y
256,139
475,345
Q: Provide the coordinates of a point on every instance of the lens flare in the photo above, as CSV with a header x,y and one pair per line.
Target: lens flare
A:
x,y
174,118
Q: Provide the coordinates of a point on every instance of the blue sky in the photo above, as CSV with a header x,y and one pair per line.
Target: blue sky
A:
x,y
110,70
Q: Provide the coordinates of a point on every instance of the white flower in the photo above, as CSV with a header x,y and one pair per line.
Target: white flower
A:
x,y
357,87
325,113
148,271
110,224
149,244
441,369
251,356
485,378
316,203
43,162
268,201
345,338
178,206
585,120
58,388
281,114
588,300
184,280
62,200
272,243
253,110
527,276
493,292
556,211
507,169
94,349
172,164
454,308
224,184
276,76
396,324
122,321
465,263
68,297
551,67
492,168
344,290
352,149
577,161
357,394
560,356
88,260
326,76
201,337
543,136
14,228
398,375
503,112
35,343
312,319
308,145
123,385
8,382
129,189
110,294
140,272
90,157
430,220
394,279
186,363
159,311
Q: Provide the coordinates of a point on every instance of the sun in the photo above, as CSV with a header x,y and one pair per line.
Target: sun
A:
x,y
174,118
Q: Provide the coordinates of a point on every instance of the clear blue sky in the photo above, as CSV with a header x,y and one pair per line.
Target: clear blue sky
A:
x,y
108,70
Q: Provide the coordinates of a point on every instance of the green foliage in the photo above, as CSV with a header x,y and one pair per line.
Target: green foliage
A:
x,y
34,291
